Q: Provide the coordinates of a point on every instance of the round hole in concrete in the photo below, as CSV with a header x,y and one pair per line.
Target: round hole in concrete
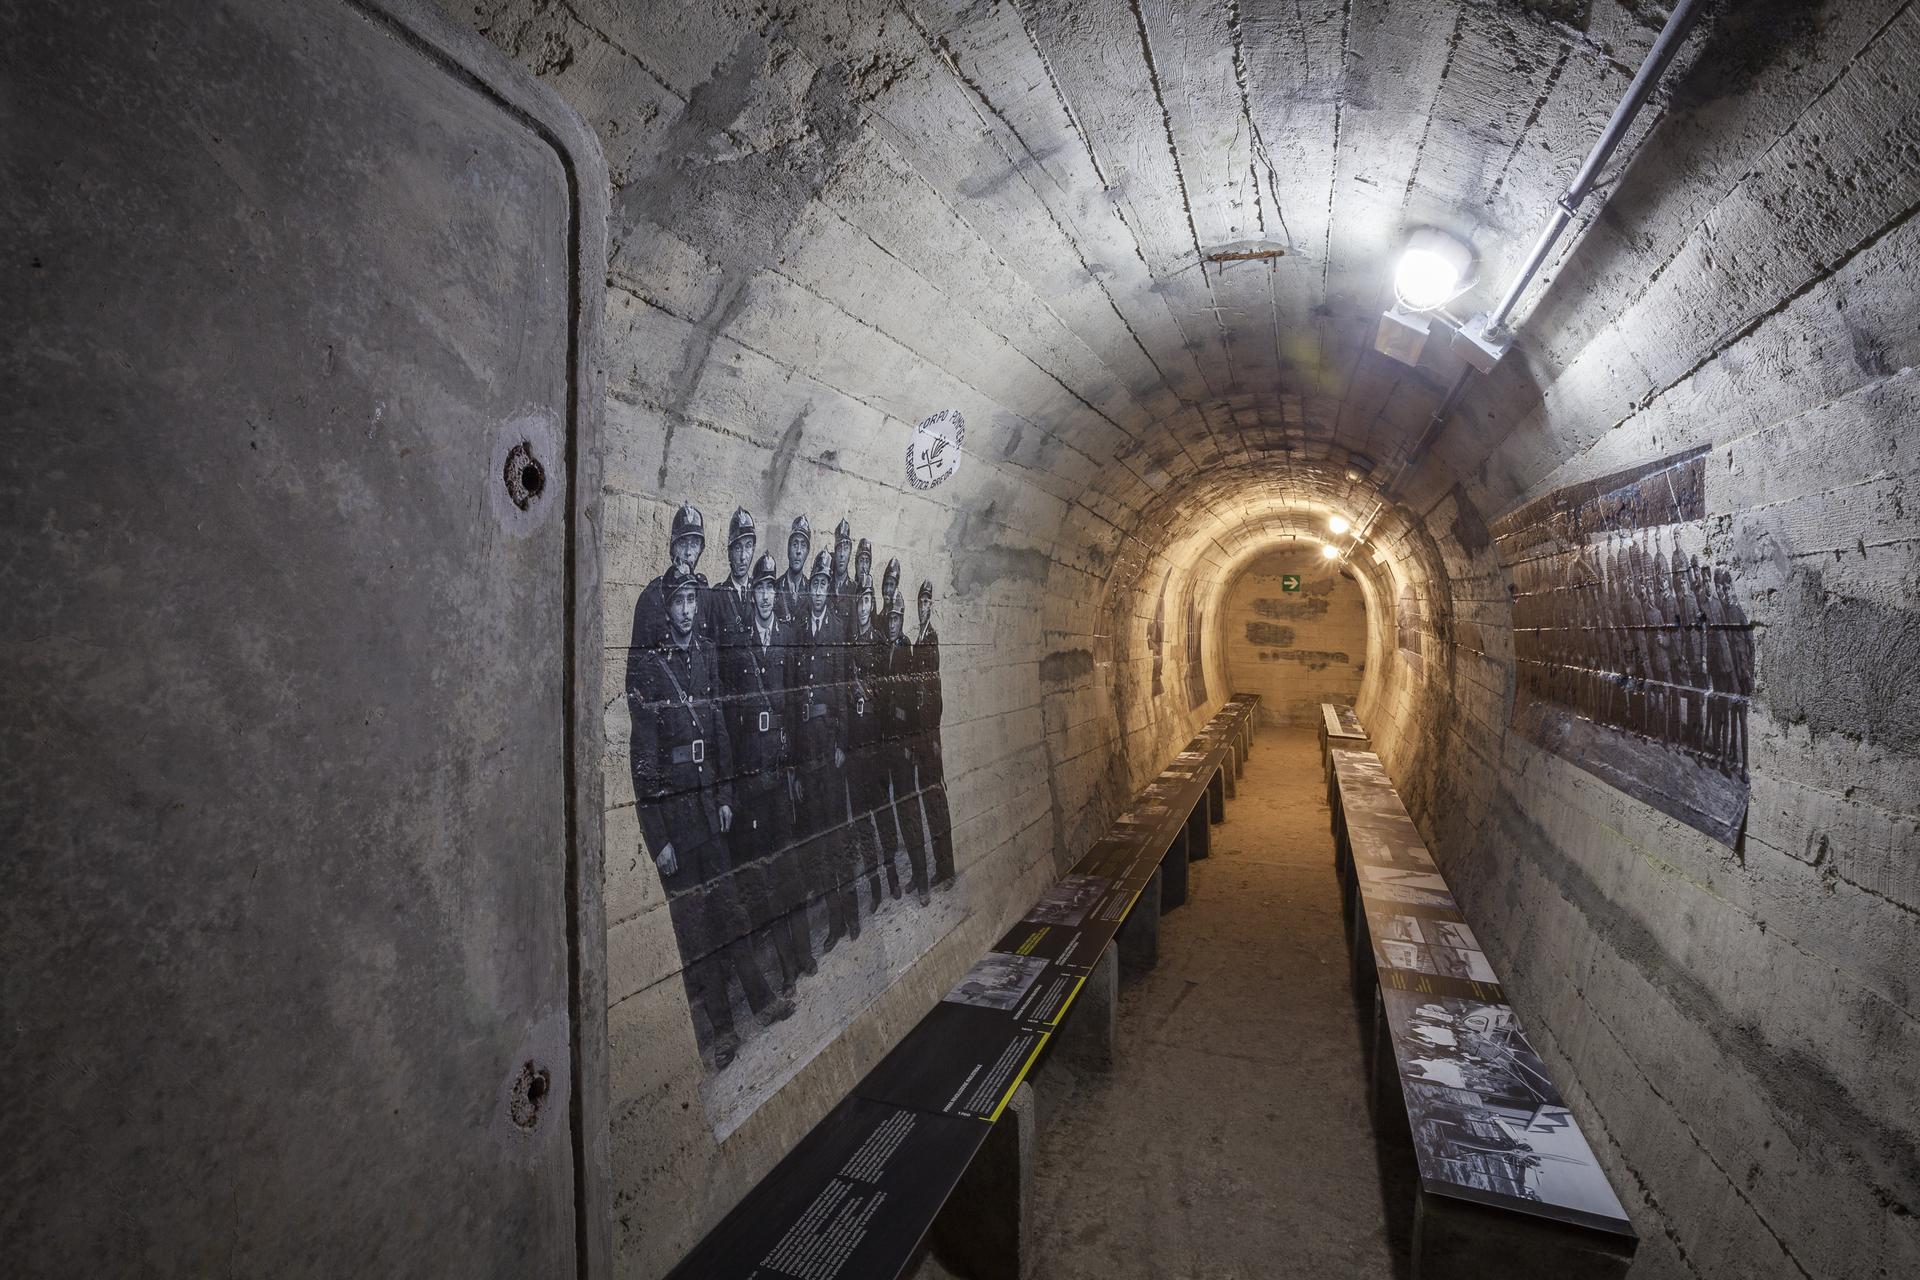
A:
x,y
530,1089
525,477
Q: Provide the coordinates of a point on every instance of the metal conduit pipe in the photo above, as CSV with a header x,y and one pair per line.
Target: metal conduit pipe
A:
x,y
1652,68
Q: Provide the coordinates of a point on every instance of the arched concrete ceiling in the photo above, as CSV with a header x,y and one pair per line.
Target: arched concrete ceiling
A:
x,y
1145,243
1230,185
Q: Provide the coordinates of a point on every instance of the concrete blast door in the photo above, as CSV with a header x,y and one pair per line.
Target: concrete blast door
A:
x,y
299,601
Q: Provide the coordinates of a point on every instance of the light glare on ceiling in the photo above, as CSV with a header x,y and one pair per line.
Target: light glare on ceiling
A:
x,y
1425,280
1330,551
1338,524
1431,270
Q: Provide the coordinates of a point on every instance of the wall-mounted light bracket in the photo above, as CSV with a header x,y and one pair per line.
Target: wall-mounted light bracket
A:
x,y
1403,334
1481,343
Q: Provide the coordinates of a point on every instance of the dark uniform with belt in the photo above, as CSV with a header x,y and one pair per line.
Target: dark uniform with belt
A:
x,y
817,680
682,762
793,583
899,703
754,666
871,829
927,761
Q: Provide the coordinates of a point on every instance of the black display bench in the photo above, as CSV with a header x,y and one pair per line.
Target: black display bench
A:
x,y
856,1197
1508,1184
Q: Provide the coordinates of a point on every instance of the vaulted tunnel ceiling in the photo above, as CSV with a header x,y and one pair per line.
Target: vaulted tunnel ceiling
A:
x,y
1147,243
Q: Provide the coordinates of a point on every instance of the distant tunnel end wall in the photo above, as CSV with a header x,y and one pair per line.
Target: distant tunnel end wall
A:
x,y
1295,629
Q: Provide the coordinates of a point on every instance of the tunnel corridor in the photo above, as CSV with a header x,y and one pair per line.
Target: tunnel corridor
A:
x,y
1276,1156
579,570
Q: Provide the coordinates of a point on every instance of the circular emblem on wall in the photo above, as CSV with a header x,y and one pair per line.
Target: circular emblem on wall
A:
x,y
933,451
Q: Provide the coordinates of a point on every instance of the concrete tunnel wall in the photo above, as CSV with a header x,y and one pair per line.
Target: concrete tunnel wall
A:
x,y
1295,630
831,224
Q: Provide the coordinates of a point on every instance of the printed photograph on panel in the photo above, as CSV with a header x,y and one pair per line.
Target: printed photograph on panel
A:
x,y
1397,928
1069,901
1157,637
1143,815
1408,879
1410,622
1406,894
1485,1116
1445,948
997,981
1458,962
1452,933
1196,666
1392,843
1404,955
1634,658
785,755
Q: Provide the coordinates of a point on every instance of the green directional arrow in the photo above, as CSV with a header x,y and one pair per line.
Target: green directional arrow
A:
x,y
1289,582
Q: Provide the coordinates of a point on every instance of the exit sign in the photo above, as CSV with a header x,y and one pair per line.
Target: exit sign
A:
x,y
1289,582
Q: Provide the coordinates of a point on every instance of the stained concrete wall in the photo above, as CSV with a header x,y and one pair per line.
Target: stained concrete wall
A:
x,y
1144,250
776,327
301,932
1296,634
1737,1022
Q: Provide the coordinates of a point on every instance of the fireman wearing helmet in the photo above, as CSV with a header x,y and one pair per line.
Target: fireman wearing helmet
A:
x,y
754,670
816,677
684,545
793,583
682,762
844,590
899,714
731,603
926,739
866,769
889,592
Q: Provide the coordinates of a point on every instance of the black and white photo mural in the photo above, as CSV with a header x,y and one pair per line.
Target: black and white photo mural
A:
x,y
1157,636
1196,670
787,770
1409,623
1632,656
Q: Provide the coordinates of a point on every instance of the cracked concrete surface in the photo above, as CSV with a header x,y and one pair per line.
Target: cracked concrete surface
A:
x,y
832,220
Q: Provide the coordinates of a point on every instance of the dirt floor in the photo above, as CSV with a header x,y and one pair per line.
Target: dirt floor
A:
x,y
1231,1140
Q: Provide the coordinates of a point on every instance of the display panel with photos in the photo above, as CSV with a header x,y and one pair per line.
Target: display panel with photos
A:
x,y
1488,1124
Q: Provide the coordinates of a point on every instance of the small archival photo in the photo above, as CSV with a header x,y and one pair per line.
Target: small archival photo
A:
x,y
1445,948
1069,901
1410,895
997,981
1397,928
1484,1113
1407,852
1406,879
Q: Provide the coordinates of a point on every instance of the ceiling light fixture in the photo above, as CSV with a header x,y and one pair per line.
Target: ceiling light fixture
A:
x,y
1339,524
1432,271
1330,551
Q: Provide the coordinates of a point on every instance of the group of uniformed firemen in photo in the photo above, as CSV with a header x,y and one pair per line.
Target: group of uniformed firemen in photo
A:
x,y
786,736
1630,637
